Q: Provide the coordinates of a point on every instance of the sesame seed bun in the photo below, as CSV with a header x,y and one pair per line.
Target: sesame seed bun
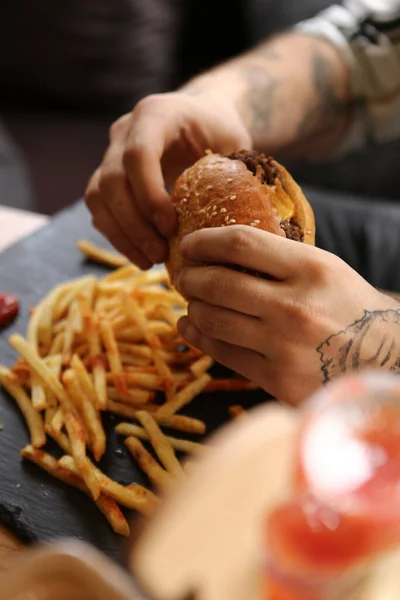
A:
x,y
220,191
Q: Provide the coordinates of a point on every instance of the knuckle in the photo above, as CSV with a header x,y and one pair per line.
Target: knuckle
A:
x,y
110,181
118,127
148,104
131,155
239,241
204,318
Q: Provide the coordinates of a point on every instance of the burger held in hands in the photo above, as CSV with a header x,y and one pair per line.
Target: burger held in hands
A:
x,y
245,188
263,300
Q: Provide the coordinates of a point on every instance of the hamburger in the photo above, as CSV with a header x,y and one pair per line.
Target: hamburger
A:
x,y
244,188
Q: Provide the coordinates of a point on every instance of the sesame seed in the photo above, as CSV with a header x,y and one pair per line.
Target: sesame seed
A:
x,y
202,211
257,221
184,199
233,197
208,208
197,194
209,187
232,221
214,214
227,218
230,180
253,225
222,210
208,151
214,207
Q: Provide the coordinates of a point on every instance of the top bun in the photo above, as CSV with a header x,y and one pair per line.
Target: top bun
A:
x,y
245,188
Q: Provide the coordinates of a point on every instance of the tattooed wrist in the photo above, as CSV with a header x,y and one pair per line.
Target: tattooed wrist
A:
x,y
373,341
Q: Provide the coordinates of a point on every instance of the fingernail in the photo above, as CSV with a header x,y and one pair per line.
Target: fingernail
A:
x,y
154,251
164,223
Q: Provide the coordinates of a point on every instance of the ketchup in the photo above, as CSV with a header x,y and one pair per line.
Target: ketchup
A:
x,y
9,308
346,507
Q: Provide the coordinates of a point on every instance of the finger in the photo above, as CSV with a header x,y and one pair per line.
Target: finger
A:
x,y
117,193
104,221
222,286
145,147
248,247
227,325
248,363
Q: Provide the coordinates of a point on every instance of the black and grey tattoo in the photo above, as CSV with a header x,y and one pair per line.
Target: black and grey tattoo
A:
x,y
259,100
370,342
322,115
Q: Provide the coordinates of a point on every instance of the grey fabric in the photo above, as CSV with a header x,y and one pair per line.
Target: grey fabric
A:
x,y
364,234
15,185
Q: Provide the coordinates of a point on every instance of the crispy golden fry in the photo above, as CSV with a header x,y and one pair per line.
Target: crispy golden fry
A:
x,y
107,505
134,496
129,429
107,257
59,437
84,379
160,443
135,398
54,364
156,474
38,393
57,422
88,412
185,396
99,373
32,417
178,422
201,366
114,359
122,273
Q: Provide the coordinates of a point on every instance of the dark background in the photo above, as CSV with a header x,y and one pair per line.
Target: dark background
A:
x,y
68,68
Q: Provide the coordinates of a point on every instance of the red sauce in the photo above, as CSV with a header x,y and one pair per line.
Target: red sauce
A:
x,y
9,308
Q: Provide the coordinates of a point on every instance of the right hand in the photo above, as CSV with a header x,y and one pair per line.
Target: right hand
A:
x,y
148,149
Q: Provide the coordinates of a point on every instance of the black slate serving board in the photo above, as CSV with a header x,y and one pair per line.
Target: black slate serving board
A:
x,y
33,505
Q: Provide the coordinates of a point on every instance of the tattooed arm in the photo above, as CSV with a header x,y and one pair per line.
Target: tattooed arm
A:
x,y
292,93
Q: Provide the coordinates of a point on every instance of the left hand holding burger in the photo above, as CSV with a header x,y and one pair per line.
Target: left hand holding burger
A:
x,y
276,331
262,299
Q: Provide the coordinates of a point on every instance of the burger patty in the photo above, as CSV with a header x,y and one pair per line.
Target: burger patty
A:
x,y
268,174
252,160
292,231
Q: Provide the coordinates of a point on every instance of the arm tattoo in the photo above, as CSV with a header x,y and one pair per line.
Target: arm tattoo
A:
x,y
328,106
259,100
370,342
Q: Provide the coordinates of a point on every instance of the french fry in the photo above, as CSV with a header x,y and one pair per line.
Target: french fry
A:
x,y
84,378
107,257
231,385
88,412
129,429
134,496
177,422
109,341
157,475
57,421
136,398
183,397
161,446
59,437
108,506
139,319
54,364
38,393
99,374
121,273
32,417
201,366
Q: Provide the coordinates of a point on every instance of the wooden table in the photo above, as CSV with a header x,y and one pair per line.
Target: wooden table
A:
x,y
14,225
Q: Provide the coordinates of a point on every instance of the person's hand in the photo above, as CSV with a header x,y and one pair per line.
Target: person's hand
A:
x,y
148,149
312,320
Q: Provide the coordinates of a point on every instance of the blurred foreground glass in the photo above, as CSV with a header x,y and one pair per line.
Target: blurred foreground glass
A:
x,y
345,513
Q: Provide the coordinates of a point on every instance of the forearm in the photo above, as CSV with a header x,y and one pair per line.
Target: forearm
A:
x,y
291,92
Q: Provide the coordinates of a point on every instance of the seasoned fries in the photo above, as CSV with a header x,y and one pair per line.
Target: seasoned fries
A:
x,y
110,344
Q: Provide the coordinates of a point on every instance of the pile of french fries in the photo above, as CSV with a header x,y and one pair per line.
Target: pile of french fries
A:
x,y
110,344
